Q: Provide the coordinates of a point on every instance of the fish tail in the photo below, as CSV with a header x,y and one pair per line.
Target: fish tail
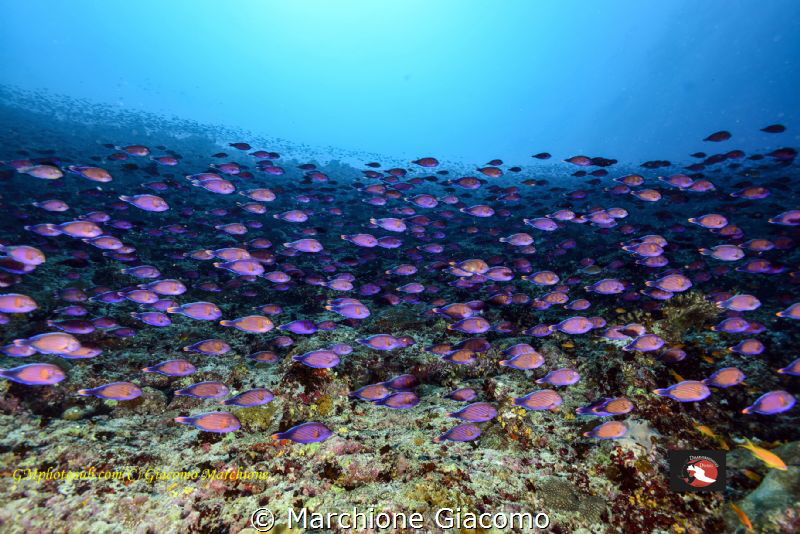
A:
x,y
660,391
182,420
84,392
504,363
173,309
225,323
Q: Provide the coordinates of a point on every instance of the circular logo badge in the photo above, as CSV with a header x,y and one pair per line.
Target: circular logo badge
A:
x,y
700,471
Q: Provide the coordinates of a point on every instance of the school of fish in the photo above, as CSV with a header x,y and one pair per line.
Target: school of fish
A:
x,y
469,251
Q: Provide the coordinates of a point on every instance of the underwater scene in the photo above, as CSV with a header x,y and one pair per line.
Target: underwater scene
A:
x,y
436,267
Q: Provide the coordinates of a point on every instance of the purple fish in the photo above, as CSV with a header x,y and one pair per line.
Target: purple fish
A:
x,y
372,392
463,395
382,342
253,397
341,349
300,326
114,391
318,359
543,399
471,325
353,309
17,351
725,378
172,368
463,432
748,347
212,422
608,286
732,325
608,430
402,400
305,245
202,311
16,303
152,318
574,325
146,202
402,382
476,412
204,390
209,346
560,377
686,391
34,374
607,406
73,326
645,343
771,403
542,223
791,369
305,433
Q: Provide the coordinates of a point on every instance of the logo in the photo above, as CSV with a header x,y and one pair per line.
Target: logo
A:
x,y
696,470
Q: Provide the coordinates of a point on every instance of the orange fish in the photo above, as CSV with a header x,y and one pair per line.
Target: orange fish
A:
x,y
742,517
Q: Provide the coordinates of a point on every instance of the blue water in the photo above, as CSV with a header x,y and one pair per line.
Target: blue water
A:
x,y
464,80
279,142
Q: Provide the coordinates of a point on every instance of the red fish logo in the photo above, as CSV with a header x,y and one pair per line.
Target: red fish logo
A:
x,y
697,470
700,471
